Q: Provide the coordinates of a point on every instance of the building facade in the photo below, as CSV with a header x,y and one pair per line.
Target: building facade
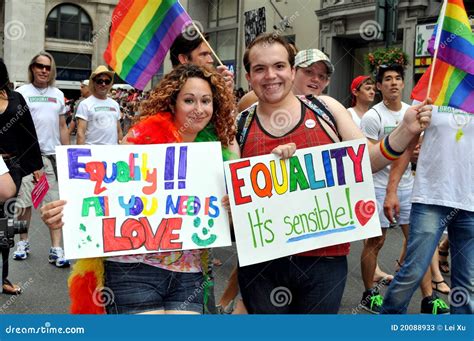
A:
x,y
77,33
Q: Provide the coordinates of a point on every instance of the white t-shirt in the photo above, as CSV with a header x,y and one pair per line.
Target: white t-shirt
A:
x,y
46,105
377,123
101,116
445,167
3,166
355,117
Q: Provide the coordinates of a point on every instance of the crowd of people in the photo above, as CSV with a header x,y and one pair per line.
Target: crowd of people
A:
x,y
197,99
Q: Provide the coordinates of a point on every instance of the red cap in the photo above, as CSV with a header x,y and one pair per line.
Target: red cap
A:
x,y
356,82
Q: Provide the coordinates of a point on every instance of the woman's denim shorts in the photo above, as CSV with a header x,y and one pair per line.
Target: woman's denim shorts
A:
x,y
132,288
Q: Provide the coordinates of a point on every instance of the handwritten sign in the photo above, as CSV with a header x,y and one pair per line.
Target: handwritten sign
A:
x,y
321,196
134,199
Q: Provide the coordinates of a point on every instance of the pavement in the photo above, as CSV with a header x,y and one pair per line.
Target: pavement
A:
x,y
45,286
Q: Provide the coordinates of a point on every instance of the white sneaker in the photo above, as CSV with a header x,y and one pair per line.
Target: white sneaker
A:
x,y
56,256
22,250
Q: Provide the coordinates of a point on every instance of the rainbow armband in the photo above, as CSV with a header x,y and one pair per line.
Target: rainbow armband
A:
x,y
387,151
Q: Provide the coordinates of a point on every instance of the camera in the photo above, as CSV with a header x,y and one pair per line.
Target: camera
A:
x,y
8,228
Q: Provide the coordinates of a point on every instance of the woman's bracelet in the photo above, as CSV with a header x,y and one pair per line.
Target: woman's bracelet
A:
x,y
387,151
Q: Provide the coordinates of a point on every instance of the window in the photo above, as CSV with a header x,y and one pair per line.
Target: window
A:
x,y
72,66
222,12
69,22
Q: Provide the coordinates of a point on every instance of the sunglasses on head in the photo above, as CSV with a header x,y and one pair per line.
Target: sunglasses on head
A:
x,y
384,66
102,81
42,66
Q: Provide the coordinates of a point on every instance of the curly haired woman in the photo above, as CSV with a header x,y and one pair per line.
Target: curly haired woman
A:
x,y
190,104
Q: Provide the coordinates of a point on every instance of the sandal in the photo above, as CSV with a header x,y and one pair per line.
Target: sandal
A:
x,y
9,288
435,284
443,264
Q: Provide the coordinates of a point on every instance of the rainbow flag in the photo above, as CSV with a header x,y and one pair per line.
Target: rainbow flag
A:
x,y
453,77
451,86
141,35
456,40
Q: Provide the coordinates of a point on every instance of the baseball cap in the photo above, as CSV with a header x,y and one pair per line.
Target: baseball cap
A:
x,y
85,82
356,82
306,58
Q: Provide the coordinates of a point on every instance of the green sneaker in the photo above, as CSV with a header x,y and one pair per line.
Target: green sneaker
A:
x,y
372,301
434,305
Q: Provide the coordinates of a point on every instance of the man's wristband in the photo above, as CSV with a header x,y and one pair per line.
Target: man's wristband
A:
x,y
387,151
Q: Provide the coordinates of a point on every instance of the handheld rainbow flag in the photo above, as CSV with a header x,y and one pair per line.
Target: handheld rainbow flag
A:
x,y
456,41
141,35
453,82
450,86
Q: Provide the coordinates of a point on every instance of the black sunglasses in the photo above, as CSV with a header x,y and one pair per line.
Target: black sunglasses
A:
x,y
42,66
102,81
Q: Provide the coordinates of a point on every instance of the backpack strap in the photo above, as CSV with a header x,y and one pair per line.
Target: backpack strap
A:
x,y
320,109
243,123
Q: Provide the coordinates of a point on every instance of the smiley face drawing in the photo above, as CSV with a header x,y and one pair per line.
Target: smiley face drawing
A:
x,y
205,231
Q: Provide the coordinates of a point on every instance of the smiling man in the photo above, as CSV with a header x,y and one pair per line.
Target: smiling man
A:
x,y
98,115
313,72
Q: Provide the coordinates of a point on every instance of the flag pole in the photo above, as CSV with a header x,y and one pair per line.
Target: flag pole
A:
x,y
436,46
207,43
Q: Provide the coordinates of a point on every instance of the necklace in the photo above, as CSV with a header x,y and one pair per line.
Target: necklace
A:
x,y
395,114
42,91
461,120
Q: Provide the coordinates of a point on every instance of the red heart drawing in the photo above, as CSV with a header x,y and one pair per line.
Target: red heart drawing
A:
x,y
364,211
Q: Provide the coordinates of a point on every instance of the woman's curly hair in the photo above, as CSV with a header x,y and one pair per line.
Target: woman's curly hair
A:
x,y
164,96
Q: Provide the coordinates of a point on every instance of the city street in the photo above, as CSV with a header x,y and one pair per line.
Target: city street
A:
x,y
45,286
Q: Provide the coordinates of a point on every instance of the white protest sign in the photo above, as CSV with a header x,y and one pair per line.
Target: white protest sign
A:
x,y
134,199
321,196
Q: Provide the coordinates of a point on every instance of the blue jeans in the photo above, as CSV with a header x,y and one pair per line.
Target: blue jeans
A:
x,y
427,224
137,288
294,285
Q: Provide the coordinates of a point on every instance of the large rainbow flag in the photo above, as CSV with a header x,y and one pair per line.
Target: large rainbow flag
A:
x,y
456,41
453,78
141,35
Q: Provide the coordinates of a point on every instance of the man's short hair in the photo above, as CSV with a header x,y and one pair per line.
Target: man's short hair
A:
x,y
269,39
398,68
185,45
